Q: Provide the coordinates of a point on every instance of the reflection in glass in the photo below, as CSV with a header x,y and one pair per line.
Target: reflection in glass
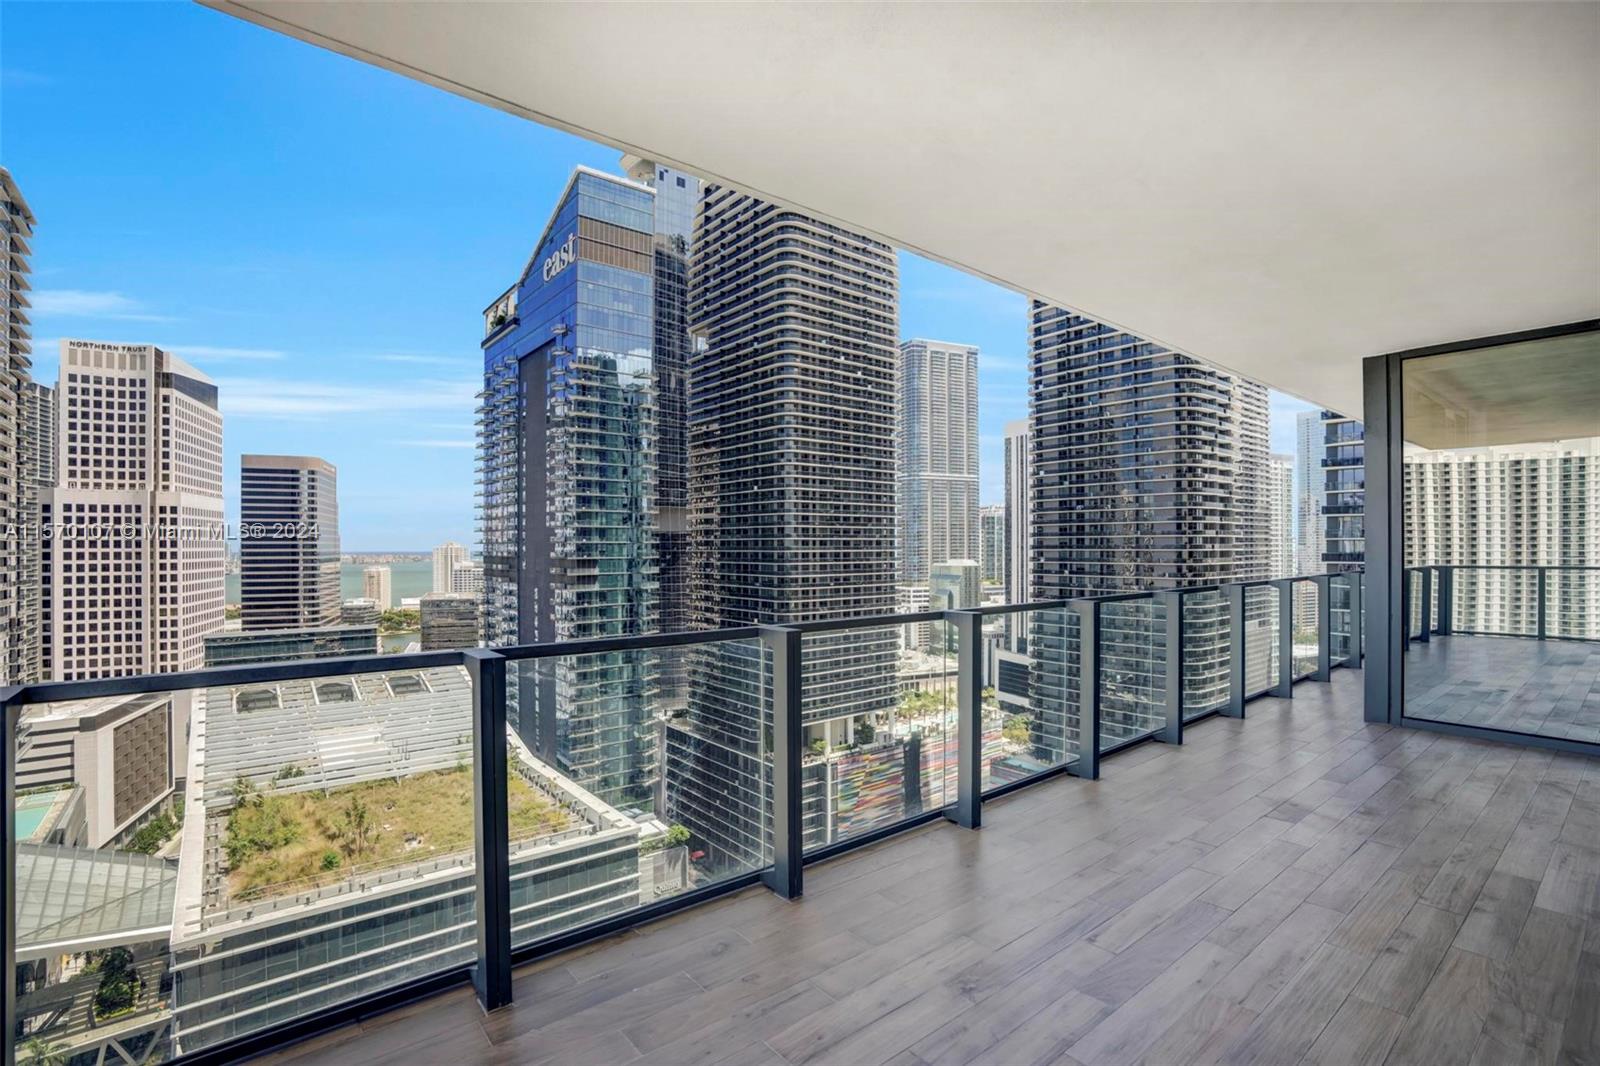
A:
x,y
1502,453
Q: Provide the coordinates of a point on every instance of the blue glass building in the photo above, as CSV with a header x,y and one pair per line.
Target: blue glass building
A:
x,y
568,482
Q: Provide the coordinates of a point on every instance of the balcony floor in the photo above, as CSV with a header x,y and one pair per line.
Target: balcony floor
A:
x,y
1296,887
1549,687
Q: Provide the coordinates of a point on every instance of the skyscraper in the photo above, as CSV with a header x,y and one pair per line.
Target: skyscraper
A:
x,y
1519,506
792,489
377,585
36,476
19,578
466,579
992,543
1149,470
1018,460
134,569
1344,492
1280,512
445,558
936,455
567,461
677,197
1308,486
288,542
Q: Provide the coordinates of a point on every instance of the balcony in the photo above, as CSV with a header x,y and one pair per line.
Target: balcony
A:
x,y
1294,886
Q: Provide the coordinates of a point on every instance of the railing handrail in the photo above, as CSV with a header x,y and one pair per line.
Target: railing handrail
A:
x,y
345,666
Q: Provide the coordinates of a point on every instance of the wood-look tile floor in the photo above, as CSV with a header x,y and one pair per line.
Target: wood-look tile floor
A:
x,y
1295,887
1548,687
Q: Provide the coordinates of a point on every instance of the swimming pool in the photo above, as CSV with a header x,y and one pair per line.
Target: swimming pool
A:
x,y
32,811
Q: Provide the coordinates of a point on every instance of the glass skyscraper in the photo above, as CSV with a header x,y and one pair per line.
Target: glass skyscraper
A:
x,y
568,452
936,439
792,492
1149,469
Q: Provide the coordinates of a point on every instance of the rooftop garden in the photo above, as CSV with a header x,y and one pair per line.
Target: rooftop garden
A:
x,y
280,842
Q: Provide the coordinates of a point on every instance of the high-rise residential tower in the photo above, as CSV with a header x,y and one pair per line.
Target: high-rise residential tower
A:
x,y
377,585
19,543
567,464
445,559
1308,487
1344,493
992,543
1515,507
1150,470
134,569
288,542
1018,459
936,455
676,201
792,489
1280,513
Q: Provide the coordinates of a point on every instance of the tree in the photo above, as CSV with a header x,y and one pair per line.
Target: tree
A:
x,y
677,836
358,831
119,983
41,1052
1016,729
866,733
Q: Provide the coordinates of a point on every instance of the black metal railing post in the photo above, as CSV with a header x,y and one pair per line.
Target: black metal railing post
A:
x,y
1236,649
1542,601
1324,585
787,876
1447,598
1088,761
1285,685
491,827
1172,732
967,811
1357,580
1426,613
11,715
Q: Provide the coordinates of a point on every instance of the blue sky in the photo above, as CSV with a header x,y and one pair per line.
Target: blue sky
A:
x,y
320,237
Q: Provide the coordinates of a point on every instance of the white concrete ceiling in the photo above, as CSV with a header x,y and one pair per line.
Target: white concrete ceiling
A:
x,y
1281,190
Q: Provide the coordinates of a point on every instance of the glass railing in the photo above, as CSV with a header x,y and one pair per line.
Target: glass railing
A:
x,y
1261,645
1554,602
214,862
1307,636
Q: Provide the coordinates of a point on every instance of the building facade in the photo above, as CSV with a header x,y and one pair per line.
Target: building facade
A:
x,y
466,579
1310,447
567,464
19,551
992,543
936,455
1149,470
676,202
792,492
377,585
359,612
287,645
133,573
1280,514
449,621
446,557
1513,508
1018,459
1344,490
288,542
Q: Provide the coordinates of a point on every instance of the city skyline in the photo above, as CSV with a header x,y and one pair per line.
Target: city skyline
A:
x,y
351,362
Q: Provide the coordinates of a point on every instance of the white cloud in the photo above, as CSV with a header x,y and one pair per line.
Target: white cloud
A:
x,y
214,353
300,401
425,360
81,303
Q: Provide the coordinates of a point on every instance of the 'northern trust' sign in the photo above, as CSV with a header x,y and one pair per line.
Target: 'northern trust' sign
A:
x,y
561,258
